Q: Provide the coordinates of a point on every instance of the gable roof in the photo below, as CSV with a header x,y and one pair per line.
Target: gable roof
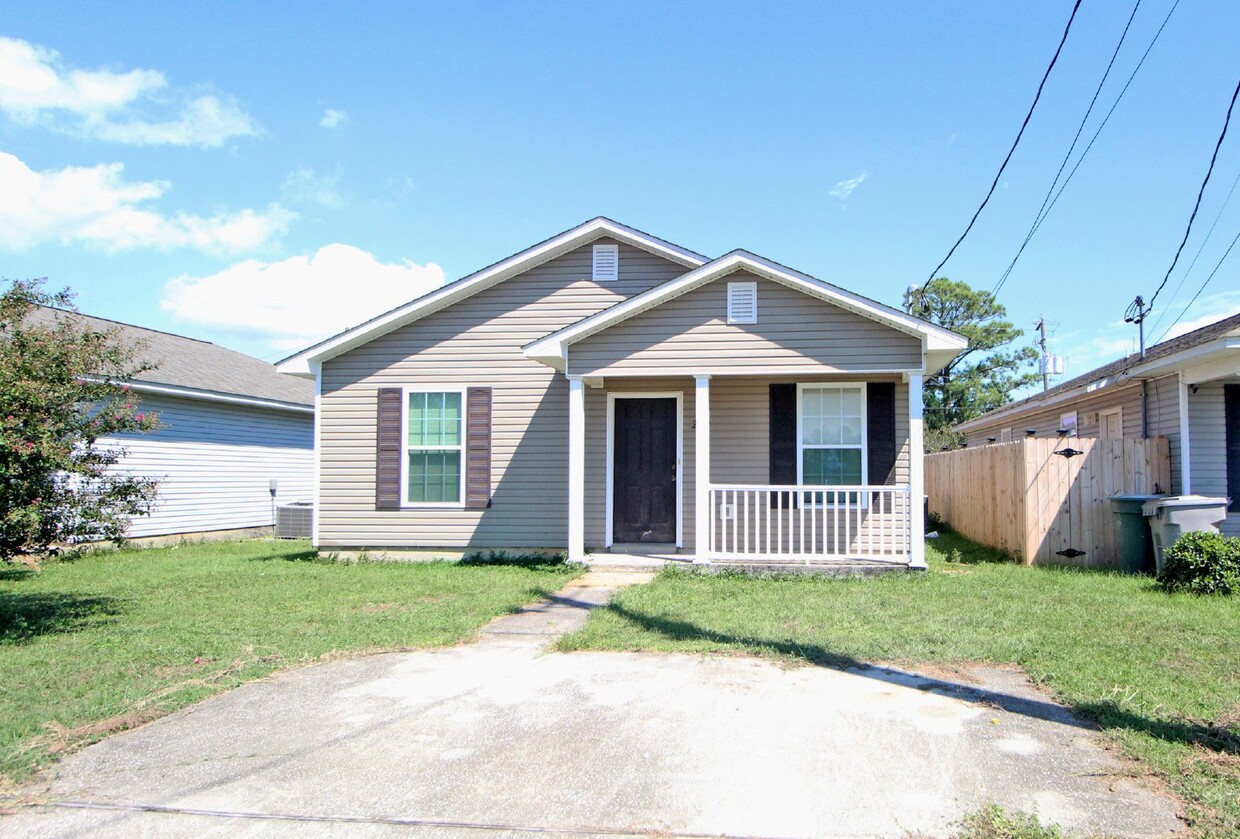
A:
x,y
939,345
1157,357
299,364
197,369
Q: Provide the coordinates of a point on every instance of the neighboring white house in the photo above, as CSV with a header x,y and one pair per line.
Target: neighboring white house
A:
x,y
233,426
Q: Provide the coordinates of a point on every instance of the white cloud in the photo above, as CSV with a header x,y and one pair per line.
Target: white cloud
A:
x,y
95,205
131,107
843,189
306,185
297,301
1204,312
333,118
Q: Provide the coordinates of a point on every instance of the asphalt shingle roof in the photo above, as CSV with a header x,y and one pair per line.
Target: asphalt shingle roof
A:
x,y
201,365
1188,340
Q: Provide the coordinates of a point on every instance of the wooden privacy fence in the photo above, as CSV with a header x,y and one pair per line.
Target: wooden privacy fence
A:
x,y
1026,497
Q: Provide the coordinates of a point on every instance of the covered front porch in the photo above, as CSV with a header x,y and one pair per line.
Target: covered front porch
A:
x,y
747,413
638,444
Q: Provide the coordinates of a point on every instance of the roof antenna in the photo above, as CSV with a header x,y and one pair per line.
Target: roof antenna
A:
x,y
1136,313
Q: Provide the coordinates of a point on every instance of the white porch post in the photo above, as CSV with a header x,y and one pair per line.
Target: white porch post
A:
x,y
1186,479
576,470
916,474
701,473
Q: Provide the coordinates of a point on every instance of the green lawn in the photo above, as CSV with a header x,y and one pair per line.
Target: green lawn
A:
x,y
1160,673
110,640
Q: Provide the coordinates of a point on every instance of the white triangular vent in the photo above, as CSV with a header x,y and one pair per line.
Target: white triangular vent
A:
x,y
742,302
606,263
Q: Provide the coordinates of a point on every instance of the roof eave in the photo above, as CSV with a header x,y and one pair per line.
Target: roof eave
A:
x,y
946,344
299,363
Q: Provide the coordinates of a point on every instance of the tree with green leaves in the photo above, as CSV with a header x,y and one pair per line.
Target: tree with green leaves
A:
x,y
981,378
63,399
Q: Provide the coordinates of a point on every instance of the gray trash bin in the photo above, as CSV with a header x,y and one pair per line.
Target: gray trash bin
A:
x,y
1179,514
1132,534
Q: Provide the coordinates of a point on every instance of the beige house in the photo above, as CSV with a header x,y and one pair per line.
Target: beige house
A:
x,y
606,390
1186,389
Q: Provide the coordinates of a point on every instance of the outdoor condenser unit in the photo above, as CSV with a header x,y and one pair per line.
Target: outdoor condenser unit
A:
x,y
294,521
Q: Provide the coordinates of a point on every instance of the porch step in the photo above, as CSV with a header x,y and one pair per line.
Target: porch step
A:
x,y
643,549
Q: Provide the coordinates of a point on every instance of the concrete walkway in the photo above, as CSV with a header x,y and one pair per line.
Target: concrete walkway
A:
x,y
503,738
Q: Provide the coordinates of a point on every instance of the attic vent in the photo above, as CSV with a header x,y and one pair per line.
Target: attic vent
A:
x,y
742,302
606,263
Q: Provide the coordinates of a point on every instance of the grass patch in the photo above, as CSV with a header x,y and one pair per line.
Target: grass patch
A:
x,y
113,639
993,822
1160,673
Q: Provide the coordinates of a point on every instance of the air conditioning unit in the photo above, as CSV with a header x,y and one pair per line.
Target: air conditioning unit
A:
x,y
295,520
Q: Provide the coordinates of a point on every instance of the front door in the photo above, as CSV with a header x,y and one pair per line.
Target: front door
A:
x,y
644,470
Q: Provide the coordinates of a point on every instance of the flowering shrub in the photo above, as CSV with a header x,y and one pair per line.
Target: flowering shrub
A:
x,y
61,390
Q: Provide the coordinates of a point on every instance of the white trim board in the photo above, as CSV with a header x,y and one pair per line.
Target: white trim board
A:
x,y
582,234
608,528
552,349
462,448
215,396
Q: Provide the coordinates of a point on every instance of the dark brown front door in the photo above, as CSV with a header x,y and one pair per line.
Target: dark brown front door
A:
x,y
644,471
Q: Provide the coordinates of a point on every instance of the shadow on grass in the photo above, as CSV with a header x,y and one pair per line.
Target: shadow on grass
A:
x,y
1216,738
26,616
678,630
294,556
955,548
14,573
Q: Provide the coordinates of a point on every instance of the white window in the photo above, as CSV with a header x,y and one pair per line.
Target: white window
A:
x,y
831,444
606,263
742,302
1067,422
1005,436
434,435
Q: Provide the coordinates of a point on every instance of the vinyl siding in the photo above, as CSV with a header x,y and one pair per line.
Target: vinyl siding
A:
x,y
794,332
477,341
1208,453
214,462
1162,405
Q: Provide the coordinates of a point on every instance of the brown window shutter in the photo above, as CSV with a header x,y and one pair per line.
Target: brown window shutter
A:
x,y
478,448
388,449
880,437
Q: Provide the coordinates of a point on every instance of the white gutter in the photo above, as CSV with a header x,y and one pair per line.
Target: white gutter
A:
x,y
213,396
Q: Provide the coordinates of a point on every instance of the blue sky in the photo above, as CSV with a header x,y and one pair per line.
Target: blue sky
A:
x,y
259,174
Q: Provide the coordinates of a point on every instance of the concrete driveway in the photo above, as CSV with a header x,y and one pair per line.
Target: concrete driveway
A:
x,y
500,737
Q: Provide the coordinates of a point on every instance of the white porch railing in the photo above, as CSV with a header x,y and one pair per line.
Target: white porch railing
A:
x,y
808,523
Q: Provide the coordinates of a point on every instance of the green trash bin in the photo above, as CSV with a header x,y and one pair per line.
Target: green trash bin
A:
x,y
1132,533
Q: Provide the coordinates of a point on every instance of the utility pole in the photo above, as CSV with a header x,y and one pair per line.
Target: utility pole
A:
x,y
1046,359
1136,313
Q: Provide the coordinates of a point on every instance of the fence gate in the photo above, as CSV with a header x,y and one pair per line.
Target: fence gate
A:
x,y
1046,500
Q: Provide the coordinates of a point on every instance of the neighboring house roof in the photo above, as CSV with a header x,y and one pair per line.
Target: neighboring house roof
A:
x,y
299,364
1161,359
199,369
941,345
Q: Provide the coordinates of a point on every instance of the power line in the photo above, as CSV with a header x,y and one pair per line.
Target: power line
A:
x,y
1037,219
1203,287
1189,270
1111,111
1200,192
1012,150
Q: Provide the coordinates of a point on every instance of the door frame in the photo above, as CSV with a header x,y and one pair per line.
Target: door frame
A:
x,y
608,541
